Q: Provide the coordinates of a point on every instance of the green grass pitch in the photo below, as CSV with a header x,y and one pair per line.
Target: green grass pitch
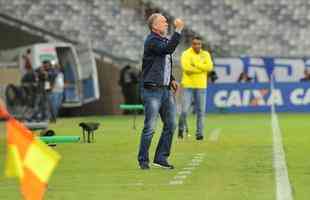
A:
x,y
239,165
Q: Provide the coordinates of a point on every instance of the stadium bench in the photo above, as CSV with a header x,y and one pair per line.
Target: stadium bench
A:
x,y
59,139
135,108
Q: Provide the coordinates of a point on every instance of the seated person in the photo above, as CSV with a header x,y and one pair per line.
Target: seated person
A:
x,y
244,78
307,76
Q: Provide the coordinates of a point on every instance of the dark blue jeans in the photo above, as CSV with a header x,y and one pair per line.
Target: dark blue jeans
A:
x,y
157,101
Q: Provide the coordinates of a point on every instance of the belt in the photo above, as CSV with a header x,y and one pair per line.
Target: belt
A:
x,y
155,86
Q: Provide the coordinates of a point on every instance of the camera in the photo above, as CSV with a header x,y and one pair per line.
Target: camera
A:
x,y
212,76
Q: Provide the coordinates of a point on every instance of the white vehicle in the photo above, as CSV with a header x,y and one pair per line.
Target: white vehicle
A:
x,y
80,72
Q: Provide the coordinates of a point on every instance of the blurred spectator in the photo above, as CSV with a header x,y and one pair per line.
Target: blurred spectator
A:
x,y
57,91
307,76
27,64
29,78
30,84
46,77
129,82
244,78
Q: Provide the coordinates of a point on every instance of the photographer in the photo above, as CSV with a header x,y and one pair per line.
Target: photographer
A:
x,y
46,76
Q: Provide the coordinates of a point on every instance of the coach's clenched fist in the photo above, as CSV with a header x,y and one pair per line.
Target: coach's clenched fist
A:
x,y
179,24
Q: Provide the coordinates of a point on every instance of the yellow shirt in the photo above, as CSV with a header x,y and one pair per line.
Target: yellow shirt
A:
x,y
195,68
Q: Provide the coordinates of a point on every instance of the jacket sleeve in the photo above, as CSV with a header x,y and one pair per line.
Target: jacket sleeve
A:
x,y
206,65
188,65
161,48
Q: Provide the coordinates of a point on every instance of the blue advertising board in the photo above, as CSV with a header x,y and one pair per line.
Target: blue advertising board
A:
x,y
257,97
261,68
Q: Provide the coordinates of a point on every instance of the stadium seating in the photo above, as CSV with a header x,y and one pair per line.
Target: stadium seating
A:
x,y
105,24
255,27
238,27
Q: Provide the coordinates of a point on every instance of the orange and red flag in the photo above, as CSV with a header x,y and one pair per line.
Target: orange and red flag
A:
x,y
28,158
3,112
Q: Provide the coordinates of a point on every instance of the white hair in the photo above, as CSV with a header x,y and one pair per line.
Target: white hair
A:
x,y
151,20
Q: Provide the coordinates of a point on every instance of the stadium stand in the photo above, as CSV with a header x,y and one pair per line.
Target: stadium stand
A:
x,y
238,27
105,24
255,27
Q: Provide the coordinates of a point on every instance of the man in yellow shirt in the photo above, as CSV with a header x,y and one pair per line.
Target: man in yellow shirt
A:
x,y
196,63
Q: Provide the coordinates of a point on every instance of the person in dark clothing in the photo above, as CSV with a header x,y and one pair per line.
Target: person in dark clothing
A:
x,y
29,77
306,76
158,88
46,76
212,77
244,78
29,83
27,64
129,82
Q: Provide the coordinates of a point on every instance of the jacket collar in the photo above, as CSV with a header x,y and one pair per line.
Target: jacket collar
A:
x,y
158,36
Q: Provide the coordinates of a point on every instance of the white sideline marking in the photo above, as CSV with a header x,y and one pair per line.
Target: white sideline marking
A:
x,y
194,164
184,172
196,160
284,190
189,168
215,134
178,182
187,171
180,177
200,155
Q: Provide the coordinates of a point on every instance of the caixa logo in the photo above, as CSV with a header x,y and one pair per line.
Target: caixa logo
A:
x,y
260,69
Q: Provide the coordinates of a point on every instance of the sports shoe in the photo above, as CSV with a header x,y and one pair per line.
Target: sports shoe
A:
x,y
164,165
199,137
144,166
180,134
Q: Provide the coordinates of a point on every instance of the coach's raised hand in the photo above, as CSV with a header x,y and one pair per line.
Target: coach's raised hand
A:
x,y
179,24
